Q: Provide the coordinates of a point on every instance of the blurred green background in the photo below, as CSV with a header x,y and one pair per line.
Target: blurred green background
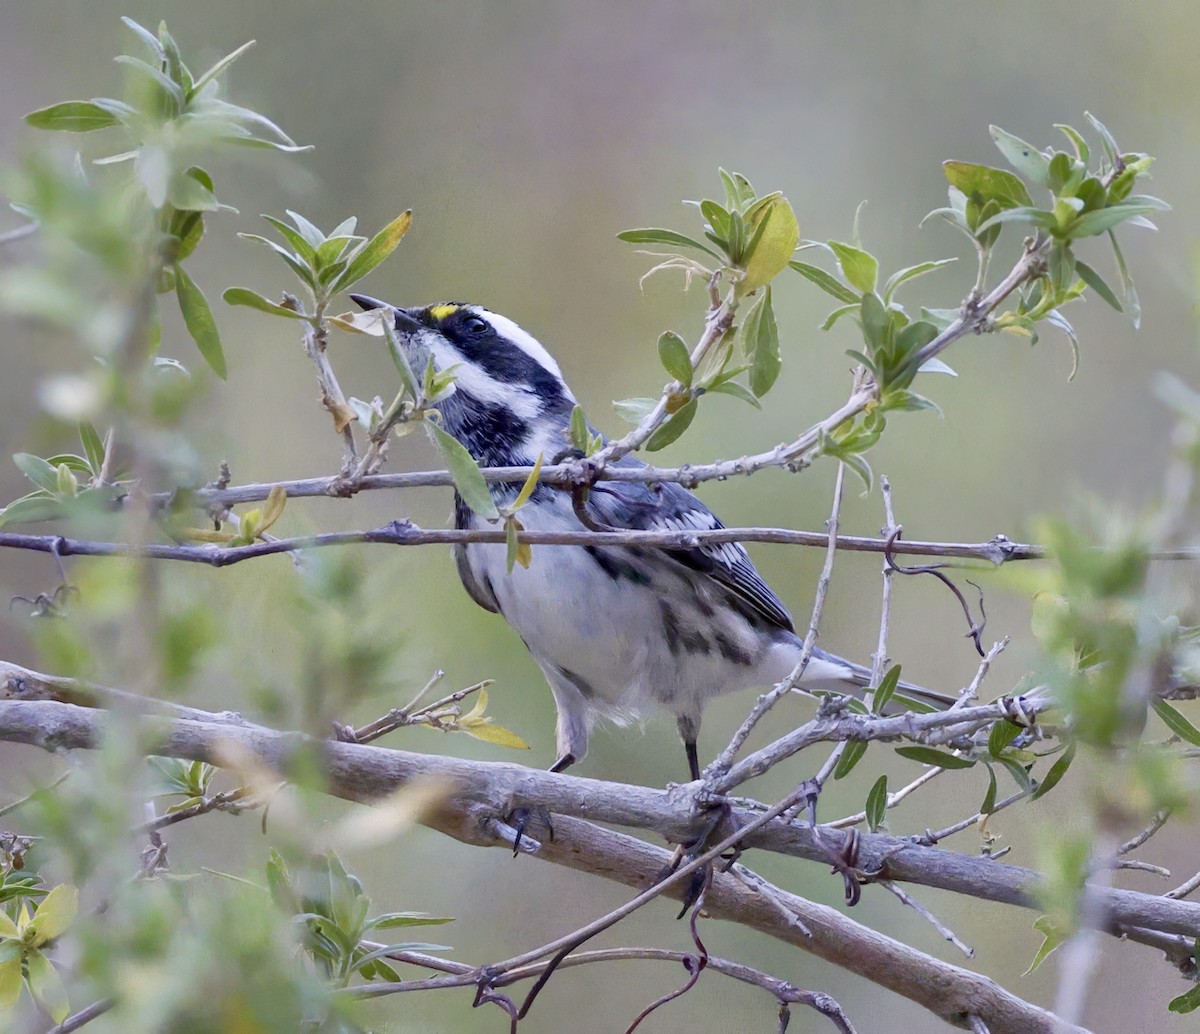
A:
x,y
525,136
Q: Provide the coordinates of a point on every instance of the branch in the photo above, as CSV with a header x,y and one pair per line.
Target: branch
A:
x,y
364,773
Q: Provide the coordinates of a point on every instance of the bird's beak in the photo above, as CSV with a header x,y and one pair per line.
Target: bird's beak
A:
x,y
404,322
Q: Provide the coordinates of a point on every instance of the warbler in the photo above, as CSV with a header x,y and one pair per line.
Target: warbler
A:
x,y
617,631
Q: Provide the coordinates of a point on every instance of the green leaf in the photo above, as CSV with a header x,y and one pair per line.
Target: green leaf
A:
x,y
1133,304
826,281
254,300
297,265
1082,151
468,481
1091,224
93,446
1096,282
308,230
676,360
738,391
1054,935
516,551
738,191
989,798
38,470
760,339
929,756
667,237
911,273
859,267
1057,771
1176,722
392,920
876,808
887,687
985,182
837,314
874,316
199,320
635,410
718,218
220,67
30,508
73,117
1106,138
1025,158
1002,734
303,248
528,487
1189,1001
378,248
47,986
852,754
672,427
55,913
193,192
10,980
1033,216
776,234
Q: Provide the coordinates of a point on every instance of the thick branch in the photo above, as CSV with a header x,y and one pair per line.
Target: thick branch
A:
x,y
485,789
482,790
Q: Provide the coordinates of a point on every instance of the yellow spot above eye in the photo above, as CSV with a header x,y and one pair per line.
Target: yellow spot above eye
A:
x,y
440,312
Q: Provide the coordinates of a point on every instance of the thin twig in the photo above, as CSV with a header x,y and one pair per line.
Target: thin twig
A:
x,y
933,920
14,805
83,1016
768,700
1136,841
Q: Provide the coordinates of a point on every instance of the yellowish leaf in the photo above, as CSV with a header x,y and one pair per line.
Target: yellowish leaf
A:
x,y
343,416
10,983
369,323
496,734
276,501
55,913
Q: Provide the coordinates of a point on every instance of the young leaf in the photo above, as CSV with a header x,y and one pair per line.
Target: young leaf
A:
x,y
1057,771
1002,734
1097,283
378,248
929,756
199,320
518,552
93,446
760,340
738,391
776,234
1091,224
254,300
989,799
851,755
675,358
887,688
527,488
38,470
1025,158
468,481
73,117
826,281
985,182
1053,935
911,273
672,427
667,237
635,410
859,267
1174,721
877,804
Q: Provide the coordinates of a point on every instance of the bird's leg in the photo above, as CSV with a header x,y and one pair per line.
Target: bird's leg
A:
x,y
519,818
689,729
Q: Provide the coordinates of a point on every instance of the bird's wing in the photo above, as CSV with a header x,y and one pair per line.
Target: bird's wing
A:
x,y
668,507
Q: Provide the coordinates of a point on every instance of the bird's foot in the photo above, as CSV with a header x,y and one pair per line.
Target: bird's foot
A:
x,y
515,828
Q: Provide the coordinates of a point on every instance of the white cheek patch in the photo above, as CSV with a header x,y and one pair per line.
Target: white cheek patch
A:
x,y
478,384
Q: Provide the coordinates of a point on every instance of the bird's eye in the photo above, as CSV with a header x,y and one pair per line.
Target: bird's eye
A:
x,y
474,325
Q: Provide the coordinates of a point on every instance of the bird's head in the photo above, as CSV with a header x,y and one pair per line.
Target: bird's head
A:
x,y
510,401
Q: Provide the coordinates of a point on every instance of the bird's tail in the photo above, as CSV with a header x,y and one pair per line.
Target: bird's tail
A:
x,y
840,675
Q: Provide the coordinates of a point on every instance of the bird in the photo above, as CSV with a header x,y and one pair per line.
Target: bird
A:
x,y
618,631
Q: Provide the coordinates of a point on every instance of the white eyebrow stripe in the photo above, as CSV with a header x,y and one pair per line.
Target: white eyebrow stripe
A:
x,y
525,341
